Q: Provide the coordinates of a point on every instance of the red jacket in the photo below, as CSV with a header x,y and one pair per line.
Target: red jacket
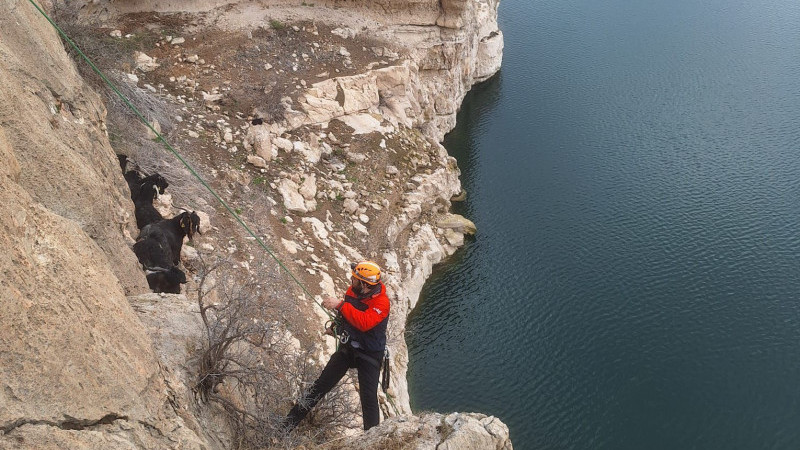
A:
x,y
365,318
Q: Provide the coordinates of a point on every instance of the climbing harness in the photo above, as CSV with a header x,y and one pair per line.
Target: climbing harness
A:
x,y
336,326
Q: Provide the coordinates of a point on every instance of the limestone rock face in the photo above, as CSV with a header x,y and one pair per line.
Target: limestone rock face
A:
x,y
425,91
468,49
75,361
173,321
65,161
59,302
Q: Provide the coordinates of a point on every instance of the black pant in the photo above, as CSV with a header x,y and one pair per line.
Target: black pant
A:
x,y
368,375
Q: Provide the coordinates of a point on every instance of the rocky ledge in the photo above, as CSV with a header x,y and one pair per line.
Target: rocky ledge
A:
x,y
456,431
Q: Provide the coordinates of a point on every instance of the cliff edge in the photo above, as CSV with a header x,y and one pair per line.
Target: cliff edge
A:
x,y
342,163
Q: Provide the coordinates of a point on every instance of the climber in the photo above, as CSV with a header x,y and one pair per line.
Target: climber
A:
x,y
365,314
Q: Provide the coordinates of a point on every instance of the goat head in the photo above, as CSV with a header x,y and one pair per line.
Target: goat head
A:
x,y
190,224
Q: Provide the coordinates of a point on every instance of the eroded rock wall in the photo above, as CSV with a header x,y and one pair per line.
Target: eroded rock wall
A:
x,y
76,367
55,126
450,45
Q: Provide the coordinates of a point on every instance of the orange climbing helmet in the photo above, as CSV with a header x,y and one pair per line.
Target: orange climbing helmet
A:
x,y
367,271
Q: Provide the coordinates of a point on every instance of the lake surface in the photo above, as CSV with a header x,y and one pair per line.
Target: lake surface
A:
x,y
634,174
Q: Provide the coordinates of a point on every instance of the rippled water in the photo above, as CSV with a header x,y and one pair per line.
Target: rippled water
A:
x,y
634,173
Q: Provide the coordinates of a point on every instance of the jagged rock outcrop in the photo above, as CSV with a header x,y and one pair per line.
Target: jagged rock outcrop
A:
x,y
424,91
457,431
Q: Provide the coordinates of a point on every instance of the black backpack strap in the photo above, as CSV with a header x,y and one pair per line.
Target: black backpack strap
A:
x,y
374,362
386,371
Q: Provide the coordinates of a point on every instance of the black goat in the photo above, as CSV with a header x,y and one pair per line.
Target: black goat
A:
x,y
155,256
135,182
144,210
171,233
123,162
153,251
132,177
135,179
165,280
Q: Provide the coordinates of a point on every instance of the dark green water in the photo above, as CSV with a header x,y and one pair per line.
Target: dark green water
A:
x,y
634,175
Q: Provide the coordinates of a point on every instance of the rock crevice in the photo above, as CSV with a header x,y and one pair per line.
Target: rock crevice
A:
x,y
69,423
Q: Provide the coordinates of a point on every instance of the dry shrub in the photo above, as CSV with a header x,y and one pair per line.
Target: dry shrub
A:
x,y
254,368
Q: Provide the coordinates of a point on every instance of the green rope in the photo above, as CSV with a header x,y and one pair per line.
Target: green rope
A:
x,y
177,155
391,401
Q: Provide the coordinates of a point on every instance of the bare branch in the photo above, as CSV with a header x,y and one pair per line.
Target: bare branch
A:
x,y
254,369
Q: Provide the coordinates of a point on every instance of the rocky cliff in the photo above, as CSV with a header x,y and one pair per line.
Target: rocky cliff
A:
x,y
77,368
351,156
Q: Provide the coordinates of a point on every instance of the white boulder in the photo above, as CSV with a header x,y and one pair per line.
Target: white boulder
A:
x,y
283,144
292,200
458,223
308,189
290,246
145,63
350,206
257,161
258,139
